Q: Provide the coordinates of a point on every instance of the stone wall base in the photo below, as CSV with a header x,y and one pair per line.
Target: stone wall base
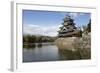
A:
x,y
67,43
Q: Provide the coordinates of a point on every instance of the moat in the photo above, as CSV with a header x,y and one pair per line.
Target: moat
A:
x,y
47,52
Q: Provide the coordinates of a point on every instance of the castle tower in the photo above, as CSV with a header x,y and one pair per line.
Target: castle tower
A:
x,y
68,28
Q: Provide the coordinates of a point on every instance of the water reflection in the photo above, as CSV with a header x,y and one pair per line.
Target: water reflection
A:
x,y
29,46
41,53
39,45
69,55
34,45
47,52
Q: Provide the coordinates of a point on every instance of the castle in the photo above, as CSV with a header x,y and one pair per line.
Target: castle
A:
x,y
69,29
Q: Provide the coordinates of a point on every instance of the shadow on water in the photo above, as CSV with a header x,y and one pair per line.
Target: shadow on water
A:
x,y
39,45
69,55
32,45
29,46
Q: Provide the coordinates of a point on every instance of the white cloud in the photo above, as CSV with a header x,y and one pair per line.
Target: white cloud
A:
x,y
75,14
40,30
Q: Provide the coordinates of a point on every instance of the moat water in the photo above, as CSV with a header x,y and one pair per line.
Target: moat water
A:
x,y
47,52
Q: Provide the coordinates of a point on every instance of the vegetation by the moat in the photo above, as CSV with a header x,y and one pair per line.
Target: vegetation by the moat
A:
x,y
38,39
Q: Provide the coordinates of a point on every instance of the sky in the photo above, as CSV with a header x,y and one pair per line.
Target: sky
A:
x,y
48,22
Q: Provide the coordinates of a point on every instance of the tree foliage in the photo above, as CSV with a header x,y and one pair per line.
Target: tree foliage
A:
x,y
87,28
37,39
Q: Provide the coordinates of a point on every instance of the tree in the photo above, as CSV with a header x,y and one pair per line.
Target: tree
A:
x,y
89,26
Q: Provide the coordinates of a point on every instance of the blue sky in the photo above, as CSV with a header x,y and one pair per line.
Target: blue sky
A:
x,y
48,22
